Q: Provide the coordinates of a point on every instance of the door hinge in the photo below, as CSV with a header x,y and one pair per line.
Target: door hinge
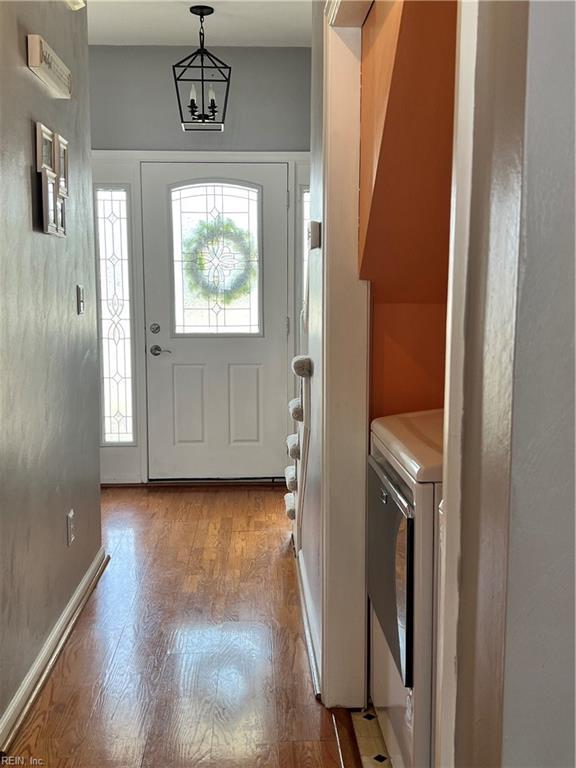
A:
x,y
287,326
287,198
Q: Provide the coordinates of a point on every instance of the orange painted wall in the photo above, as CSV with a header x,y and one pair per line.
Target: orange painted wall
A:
x,y
407,353
408,68
379,41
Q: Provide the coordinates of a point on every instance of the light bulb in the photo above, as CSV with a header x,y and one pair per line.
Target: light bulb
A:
x,y
211,95
193,93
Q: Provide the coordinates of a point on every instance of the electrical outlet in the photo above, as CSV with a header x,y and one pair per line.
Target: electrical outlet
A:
x,y
70,527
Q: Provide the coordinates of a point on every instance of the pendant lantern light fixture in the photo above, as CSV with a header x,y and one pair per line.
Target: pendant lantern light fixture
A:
x,y
202,82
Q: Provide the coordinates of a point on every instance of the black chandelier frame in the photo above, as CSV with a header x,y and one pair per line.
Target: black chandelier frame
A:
x,y
202,68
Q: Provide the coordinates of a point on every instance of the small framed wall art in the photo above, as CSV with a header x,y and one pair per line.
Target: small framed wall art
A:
x,y
60,215
52,163
45,149
62,164
49,201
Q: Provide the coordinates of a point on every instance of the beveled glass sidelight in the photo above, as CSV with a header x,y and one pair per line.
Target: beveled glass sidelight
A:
x,y
202,83
115,314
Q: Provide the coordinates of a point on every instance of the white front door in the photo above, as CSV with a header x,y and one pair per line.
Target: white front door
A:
x,y
215,271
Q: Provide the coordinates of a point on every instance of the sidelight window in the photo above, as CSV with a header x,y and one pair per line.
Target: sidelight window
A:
x,y
114,315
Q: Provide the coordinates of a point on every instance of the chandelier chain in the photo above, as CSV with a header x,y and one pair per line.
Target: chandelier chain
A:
x,y
201,33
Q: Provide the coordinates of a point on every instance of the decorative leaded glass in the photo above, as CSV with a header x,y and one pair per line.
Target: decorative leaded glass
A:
x,y
216,254
115,324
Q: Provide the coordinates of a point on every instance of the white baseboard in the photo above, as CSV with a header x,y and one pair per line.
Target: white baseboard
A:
x,y
48,653
392,743
312,659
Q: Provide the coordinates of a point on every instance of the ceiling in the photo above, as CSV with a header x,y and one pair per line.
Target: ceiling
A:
x,y
169,22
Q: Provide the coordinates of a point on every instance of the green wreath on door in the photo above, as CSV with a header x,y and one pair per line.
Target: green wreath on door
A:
x,y
215,248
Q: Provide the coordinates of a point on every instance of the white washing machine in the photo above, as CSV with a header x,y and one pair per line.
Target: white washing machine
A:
x,y
404,491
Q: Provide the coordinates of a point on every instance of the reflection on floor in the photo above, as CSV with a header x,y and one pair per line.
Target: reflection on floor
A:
x,y
190,652
369,739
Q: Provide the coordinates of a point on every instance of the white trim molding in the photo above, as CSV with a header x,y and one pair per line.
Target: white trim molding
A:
x,y
309,638
197,156
345,377
347,13
30,686
444,726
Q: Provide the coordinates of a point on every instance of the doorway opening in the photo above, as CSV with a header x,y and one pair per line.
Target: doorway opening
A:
x,y
200,266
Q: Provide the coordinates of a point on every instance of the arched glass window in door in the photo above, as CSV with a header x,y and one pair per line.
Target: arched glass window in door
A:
x,y
216,252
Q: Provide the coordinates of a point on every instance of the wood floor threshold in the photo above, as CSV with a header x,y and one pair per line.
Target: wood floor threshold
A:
x,y
4,748
346,738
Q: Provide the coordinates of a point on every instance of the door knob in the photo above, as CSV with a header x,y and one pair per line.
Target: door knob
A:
x,y
156,350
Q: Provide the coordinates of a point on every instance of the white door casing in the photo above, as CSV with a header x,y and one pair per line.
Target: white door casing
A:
x,y
216,400
446,661
331,560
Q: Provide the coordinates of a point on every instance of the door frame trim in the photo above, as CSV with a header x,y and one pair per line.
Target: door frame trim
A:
x,y
129,464
346,344
449,514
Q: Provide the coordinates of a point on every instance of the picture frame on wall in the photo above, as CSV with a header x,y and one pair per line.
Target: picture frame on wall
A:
x,y
61,147
45,149
60,215
49,201
52,164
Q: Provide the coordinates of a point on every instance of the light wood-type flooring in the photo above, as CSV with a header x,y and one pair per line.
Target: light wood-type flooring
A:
x,y
190,652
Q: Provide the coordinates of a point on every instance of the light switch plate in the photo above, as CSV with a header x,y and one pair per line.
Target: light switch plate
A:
x,y
70,533
80,299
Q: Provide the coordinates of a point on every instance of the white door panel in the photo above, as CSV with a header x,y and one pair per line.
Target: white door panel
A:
x,y
217,392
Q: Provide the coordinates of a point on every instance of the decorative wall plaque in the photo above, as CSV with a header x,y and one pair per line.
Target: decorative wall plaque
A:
x,y
49,67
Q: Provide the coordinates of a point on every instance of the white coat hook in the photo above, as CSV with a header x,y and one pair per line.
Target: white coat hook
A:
x,y
291,479
293,446
290,504
295,409
303,366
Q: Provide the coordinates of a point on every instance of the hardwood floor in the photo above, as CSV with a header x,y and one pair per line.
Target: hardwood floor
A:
x,y
190,652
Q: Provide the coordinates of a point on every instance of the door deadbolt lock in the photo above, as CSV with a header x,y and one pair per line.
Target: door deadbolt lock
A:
x,y
154,328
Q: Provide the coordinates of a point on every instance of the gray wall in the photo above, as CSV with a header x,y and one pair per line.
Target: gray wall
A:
x,y
538,727
48,356
134,101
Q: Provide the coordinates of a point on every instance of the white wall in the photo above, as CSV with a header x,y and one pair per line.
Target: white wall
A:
x,y
492,253
346,348
513,417
332,556
538,725
134,106
311,554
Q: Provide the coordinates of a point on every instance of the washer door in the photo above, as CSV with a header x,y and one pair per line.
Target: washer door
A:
x,y
390,565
